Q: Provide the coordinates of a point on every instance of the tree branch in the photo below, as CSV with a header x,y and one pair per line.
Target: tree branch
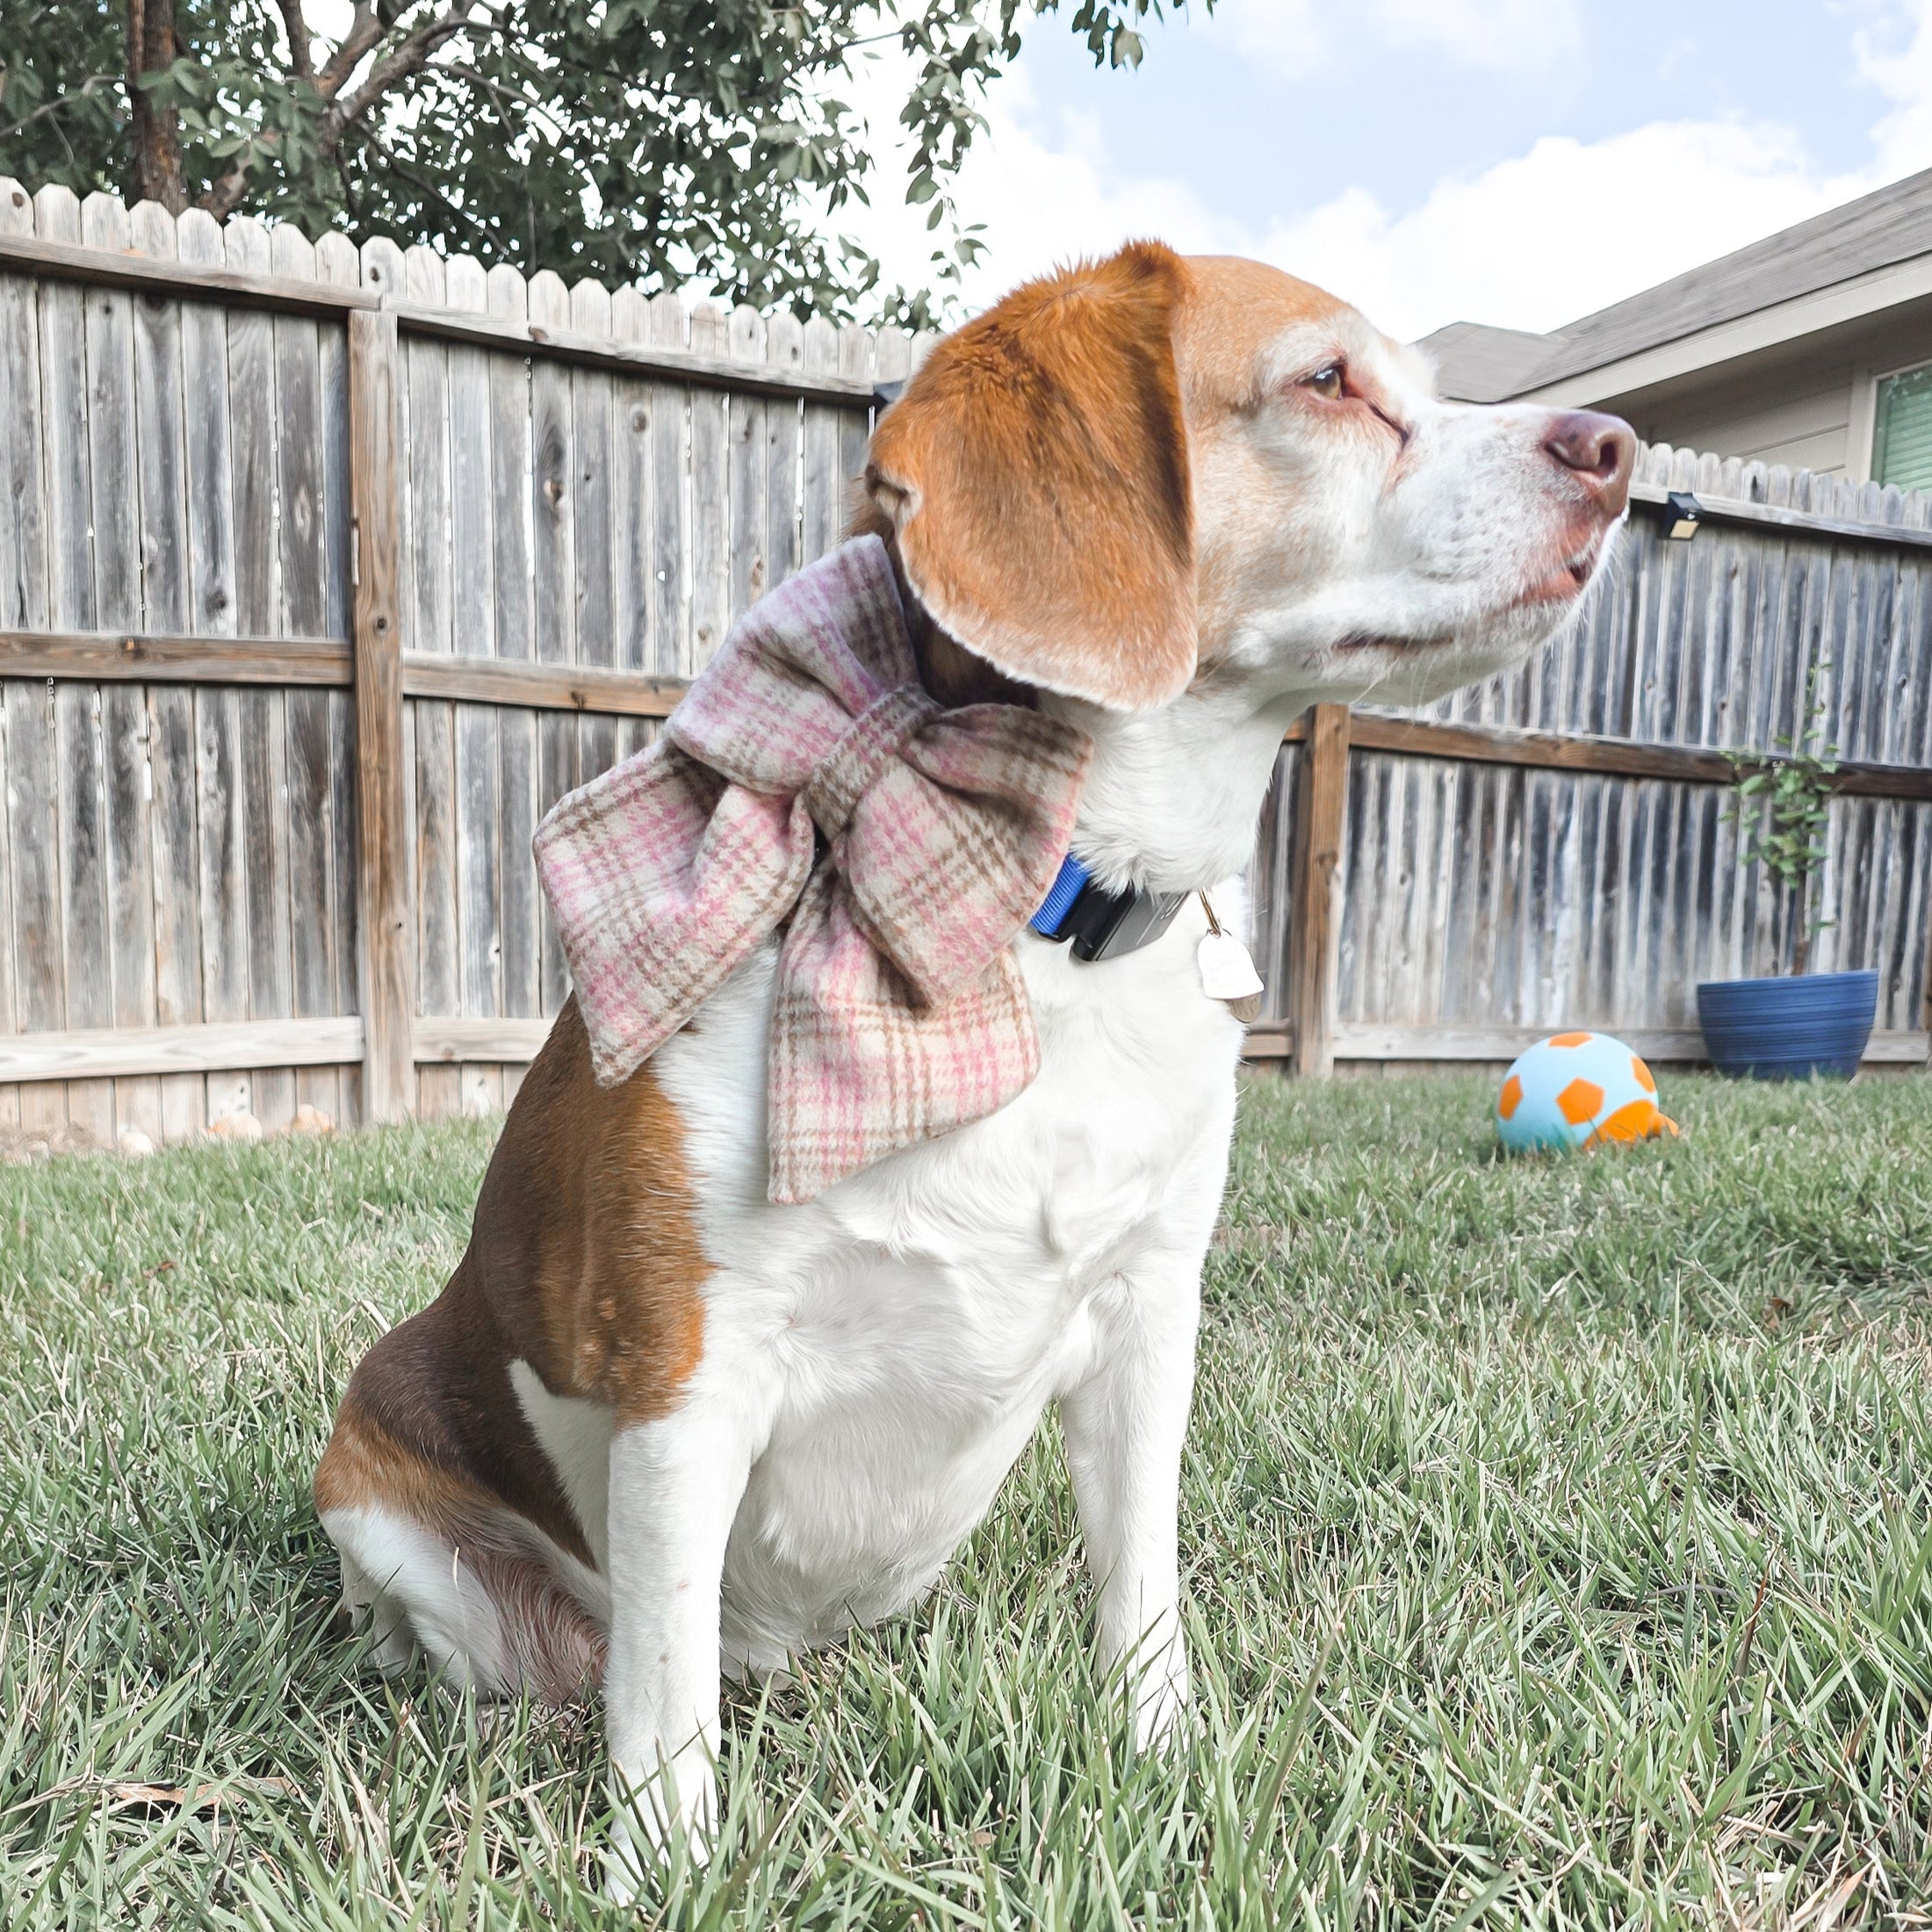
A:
x,y
365,31
299,62
505,97
411,55
222,199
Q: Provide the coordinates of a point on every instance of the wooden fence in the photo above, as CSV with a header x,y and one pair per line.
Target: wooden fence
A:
x,y
322,574
1555,848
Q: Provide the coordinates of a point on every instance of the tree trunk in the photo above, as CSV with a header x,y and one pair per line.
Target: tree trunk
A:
x,y
1801,916
153,133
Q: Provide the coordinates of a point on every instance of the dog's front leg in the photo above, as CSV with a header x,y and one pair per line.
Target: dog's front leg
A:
x,y
676,1485
1125,1424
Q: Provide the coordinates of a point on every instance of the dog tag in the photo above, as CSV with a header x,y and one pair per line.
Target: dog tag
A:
x,y
1227,972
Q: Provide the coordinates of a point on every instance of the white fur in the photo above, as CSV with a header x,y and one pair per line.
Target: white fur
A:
x,y
414,1585
876,1361
575,1435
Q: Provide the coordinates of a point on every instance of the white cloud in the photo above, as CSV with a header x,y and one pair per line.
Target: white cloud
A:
x,y
1043,201
1532,242
1572,226
1903,138
1287,35
1516,35
1549,235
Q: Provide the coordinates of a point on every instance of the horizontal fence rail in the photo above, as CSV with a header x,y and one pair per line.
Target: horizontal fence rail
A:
x,y
329,571
1736,509
287,295
1610,757
629,694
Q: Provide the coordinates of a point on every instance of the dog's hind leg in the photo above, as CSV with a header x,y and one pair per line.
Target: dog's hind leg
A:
x,y
457,1533
365,1604
421,1597
442,1566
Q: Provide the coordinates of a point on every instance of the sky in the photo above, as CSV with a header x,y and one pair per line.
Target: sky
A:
x,y
1513,161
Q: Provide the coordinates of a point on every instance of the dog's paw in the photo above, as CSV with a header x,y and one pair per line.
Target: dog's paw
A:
x,y
1163,1700
657,1819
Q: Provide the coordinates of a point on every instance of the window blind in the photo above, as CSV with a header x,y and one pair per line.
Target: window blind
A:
x,y
1901,443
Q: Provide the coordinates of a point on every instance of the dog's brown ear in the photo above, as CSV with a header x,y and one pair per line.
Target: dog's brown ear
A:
x,y
1036,471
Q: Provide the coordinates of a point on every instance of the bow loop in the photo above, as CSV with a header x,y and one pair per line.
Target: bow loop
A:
x,y
900,1012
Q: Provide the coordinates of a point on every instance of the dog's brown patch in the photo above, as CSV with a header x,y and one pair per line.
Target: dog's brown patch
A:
x,y
1235,309
431,1427
1035,471
585,1240
420,1446
585,1262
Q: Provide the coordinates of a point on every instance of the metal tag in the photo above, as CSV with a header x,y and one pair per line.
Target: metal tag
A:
x,y
1227,972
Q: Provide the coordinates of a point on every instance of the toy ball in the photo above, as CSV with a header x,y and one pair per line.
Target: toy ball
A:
x,y
1578,1090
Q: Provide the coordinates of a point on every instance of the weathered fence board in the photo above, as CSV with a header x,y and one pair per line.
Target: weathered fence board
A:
x,y
190,819
588,488
383,907
78,788
187,837
670,481
427,560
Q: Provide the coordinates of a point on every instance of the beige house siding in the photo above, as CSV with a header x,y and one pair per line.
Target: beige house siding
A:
x,y
1806,425
1807,404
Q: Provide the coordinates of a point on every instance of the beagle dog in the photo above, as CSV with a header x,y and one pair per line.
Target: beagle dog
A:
x,y
655,1427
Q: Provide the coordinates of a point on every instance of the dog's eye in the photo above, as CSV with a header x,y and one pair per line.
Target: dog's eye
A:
x,y
1327,381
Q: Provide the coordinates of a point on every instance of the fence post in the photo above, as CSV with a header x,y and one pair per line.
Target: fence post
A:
x,y
382,857
1321,812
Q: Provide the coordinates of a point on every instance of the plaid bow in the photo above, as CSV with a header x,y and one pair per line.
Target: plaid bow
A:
x,y
806,776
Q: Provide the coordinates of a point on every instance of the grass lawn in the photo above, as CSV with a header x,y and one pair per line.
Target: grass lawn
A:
x,y
1557,1532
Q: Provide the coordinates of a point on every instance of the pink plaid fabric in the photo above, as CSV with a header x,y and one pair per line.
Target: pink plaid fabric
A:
x,y
806,776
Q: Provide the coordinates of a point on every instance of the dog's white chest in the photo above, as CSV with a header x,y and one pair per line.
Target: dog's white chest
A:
x,y
894,1343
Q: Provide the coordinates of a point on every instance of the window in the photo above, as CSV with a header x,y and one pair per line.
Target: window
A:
x,y
1901,440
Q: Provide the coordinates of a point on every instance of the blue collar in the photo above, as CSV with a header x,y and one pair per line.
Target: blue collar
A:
x,y
1098,923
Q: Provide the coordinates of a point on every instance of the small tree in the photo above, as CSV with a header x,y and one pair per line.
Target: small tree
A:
x,y
1782,802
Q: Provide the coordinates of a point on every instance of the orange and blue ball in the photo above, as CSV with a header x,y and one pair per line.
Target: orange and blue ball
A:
x,y
1578,1090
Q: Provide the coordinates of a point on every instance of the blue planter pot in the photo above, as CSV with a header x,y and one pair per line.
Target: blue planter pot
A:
x,y
1788,1028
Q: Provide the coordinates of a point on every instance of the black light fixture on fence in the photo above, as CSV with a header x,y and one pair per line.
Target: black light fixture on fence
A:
x,y
1682,514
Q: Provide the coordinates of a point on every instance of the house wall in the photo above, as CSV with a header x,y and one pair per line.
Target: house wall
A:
x,y
1810,407
1804,422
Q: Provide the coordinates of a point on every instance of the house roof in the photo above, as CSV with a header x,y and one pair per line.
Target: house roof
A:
x,y
1478,363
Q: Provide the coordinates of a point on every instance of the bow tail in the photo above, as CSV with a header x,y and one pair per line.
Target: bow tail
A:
x,y
860,1068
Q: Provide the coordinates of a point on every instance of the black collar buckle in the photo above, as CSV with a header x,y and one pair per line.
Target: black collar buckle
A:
x,y
1099,924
